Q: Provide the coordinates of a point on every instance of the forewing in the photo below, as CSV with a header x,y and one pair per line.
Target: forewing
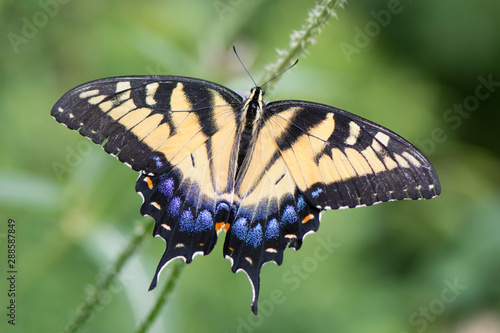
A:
x,y
149,122
340,160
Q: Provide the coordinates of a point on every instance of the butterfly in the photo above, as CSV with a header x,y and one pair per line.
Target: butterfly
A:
x,y
210,160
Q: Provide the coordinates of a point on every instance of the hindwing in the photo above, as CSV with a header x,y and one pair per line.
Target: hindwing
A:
x,y
269,213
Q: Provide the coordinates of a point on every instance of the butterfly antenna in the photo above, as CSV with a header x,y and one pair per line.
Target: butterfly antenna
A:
x,y
242,64
295,63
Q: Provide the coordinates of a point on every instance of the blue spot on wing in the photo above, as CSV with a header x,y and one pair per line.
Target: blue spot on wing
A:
x,y
289,215
204,221
166,187
174,206
222,207
273,229
240,228
186,221
158,162
254,236
301,203
316,193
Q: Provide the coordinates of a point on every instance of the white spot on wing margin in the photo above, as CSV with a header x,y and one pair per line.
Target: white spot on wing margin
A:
x,y
382,138
354,131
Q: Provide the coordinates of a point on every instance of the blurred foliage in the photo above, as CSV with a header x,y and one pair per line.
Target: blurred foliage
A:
x,y
75,206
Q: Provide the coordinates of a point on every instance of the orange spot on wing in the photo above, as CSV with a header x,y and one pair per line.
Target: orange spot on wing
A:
x,y
149,182
308,218
219,225
202,244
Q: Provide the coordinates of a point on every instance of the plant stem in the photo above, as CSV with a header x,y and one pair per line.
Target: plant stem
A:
x,y
178,265
301,39
94,298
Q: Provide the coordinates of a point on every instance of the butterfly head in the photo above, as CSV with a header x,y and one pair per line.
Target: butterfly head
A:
x,y
257,90
257,94
253,108
256,101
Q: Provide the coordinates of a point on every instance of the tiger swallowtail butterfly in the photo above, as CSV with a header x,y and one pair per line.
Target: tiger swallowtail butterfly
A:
x,y
263,171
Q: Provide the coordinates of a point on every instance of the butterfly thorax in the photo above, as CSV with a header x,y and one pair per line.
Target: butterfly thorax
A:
x,y
252,112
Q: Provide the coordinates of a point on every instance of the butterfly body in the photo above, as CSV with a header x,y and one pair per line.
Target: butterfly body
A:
x,y
211,160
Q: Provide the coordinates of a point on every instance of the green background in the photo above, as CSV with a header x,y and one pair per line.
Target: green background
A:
x,y
422,266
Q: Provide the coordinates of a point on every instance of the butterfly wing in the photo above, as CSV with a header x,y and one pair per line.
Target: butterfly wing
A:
x,y
308,157
132,117
340,160
181,134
